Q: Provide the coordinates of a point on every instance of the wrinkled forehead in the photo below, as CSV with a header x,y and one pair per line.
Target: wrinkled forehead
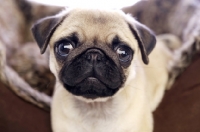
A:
x,y
93,24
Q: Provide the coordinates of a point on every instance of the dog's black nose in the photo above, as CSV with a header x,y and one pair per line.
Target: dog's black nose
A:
x,y
94,55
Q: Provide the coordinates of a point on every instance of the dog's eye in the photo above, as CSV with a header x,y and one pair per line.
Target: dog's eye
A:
x,y
63,48
124,53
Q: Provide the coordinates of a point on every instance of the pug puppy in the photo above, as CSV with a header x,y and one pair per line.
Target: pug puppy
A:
x,y
108,79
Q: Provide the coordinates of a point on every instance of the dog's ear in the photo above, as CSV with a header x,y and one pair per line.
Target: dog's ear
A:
x,y
43,29
145,37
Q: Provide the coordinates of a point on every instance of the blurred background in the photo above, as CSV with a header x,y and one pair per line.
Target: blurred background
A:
x,y
89,3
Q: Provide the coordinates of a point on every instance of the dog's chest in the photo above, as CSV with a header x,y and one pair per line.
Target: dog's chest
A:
x,y
92,117
99,117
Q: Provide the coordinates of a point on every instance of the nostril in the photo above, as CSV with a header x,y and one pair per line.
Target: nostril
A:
x,y
99,57
88,57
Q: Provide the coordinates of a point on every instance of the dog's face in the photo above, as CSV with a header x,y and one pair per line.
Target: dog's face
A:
x,y
92,51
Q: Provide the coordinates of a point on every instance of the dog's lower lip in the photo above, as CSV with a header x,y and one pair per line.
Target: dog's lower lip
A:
x,y
90,96
92,78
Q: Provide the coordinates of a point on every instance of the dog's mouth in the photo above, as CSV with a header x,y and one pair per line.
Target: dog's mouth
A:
x,y
91,88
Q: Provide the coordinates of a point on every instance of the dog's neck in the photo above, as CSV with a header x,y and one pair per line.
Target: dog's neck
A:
x,y
96,109
100,108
